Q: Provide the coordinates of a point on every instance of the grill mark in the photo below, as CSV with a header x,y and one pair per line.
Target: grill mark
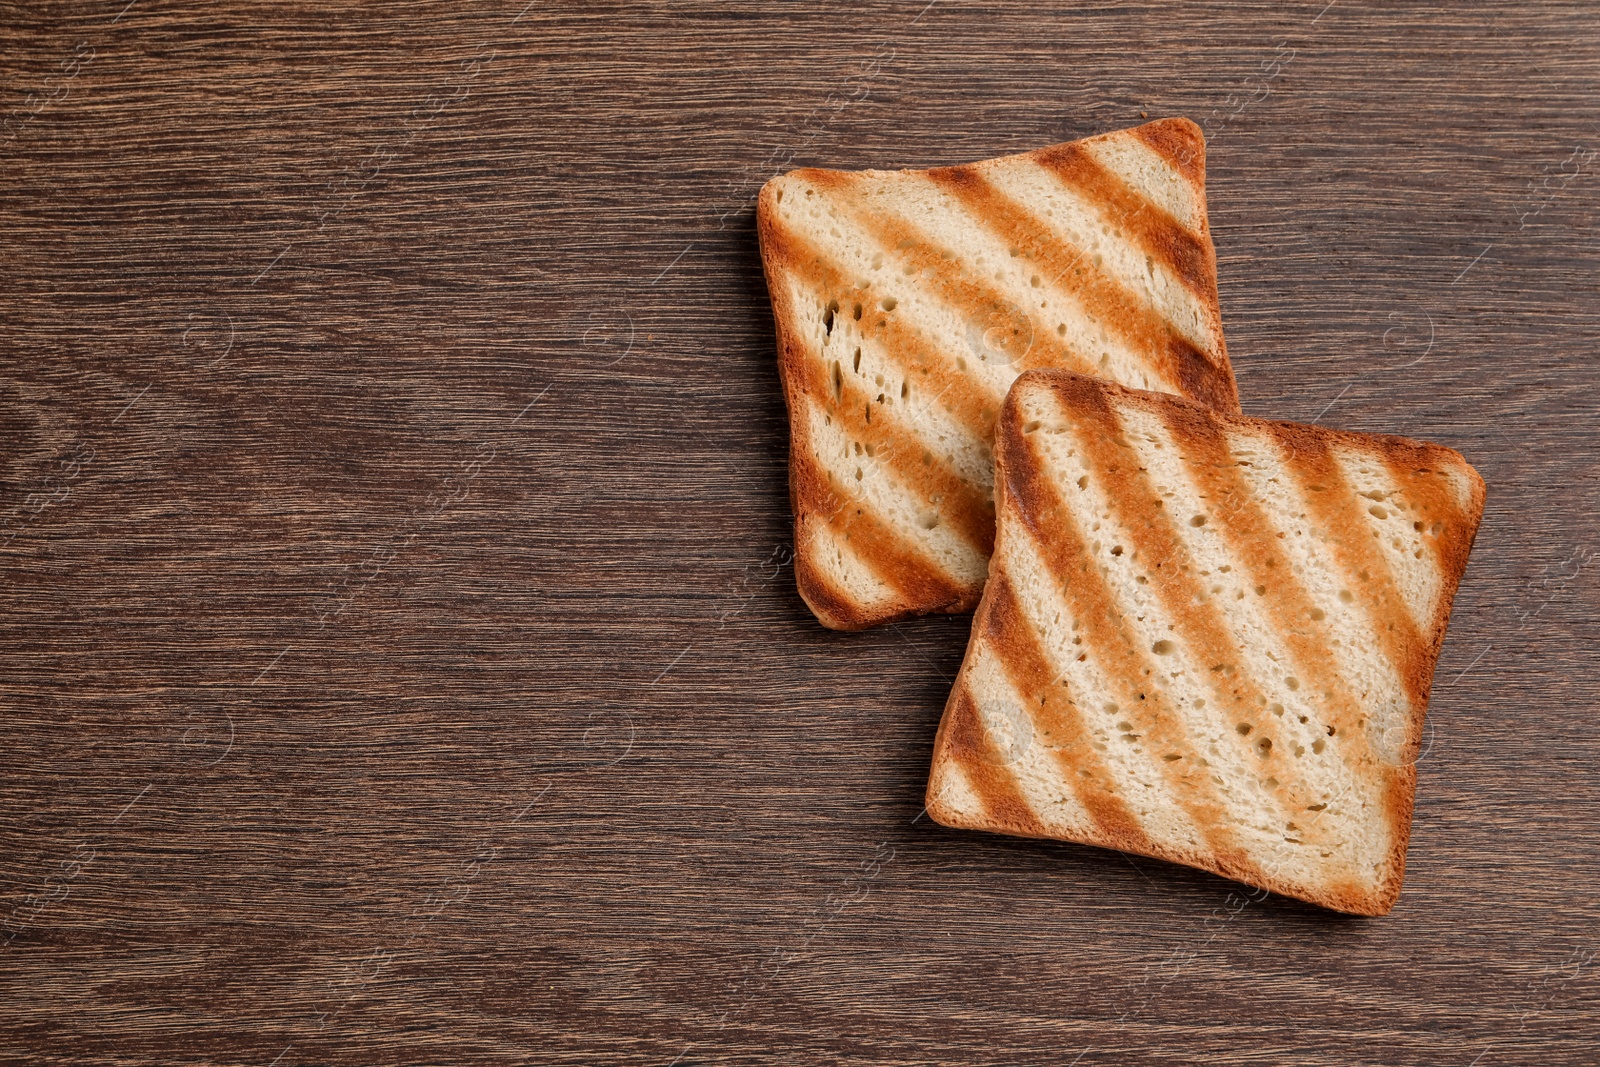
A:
x,y
897,561
955,286
1417,470
1188,255
1200,378
1028,669
964,740
1180,143
821,594
1059,544
1251,534
830,603
1150,335
972,405
969,510
1099,432
1337,508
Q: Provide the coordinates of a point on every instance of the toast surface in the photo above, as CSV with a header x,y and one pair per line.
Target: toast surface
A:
x,y
1206,638
907,302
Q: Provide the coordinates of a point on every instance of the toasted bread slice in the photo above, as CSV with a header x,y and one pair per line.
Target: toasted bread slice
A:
x,y
1206,638
908,301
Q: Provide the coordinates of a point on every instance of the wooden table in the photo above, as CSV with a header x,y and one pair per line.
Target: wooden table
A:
x,y
399,656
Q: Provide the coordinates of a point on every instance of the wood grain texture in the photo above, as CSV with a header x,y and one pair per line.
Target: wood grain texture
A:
x,y
359,712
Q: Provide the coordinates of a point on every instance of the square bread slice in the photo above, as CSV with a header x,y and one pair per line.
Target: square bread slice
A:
x,y
1206,638
907,302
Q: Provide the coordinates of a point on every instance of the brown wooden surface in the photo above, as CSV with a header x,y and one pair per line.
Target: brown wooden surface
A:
x,y
398,659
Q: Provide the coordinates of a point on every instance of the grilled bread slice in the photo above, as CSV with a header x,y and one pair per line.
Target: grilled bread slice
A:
x,y
907,302
1206,638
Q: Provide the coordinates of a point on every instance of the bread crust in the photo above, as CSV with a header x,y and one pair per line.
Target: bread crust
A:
x,y
1019,495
